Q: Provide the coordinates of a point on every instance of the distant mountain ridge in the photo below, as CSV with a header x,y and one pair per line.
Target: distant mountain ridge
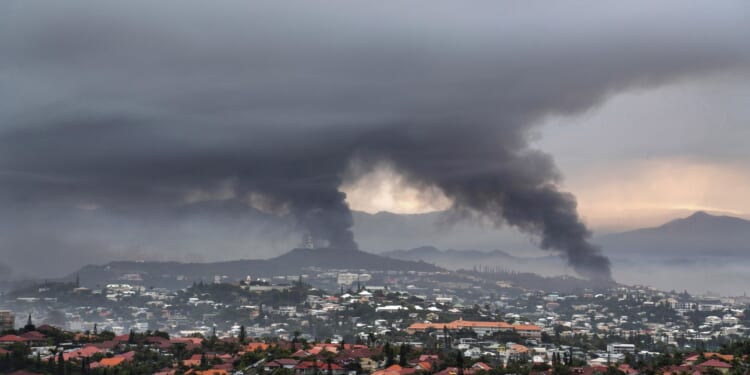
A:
x,y
385,231
426,253
700,234
689,240
667,256
294,262
703,221
470,259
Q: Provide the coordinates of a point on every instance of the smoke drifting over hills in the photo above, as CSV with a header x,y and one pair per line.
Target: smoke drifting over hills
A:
x,y
141,108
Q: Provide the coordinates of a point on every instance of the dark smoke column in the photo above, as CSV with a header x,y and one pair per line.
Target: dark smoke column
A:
x,y
325,216
540,210
551,214
305,184
490,171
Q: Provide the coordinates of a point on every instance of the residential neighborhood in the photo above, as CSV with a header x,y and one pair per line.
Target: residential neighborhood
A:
x,y
411,322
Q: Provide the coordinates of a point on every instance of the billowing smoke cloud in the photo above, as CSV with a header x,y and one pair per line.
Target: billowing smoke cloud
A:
x,y
141,107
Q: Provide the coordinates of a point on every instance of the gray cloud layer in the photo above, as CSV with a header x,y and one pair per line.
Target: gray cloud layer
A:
x,y
134,106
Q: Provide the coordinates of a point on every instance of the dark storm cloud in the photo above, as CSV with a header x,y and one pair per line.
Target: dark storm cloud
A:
x,y
141,105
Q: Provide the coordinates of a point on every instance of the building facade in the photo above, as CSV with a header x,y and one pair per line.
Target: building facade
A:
x,y
7,320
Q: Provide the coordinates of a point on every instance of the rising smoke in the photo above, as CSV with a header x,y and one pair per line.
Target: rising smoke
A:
x,y
145,107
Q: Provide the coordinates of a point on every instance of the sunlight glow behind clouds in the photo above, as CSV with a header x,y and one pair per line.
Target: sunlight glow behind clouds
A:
x,y
624,196
383,189
636,194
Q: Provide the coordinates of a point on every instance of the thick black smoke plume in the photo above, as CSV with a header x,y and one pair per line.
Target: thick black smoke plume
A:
x,y
141,107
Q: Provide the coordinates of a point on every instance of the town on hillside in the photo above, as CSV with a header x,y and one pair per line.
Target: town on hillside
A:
x,y
357,322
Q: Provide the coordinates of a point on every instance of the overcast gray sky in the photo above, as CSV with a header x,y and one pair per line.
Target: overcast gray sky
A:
x,y
141,115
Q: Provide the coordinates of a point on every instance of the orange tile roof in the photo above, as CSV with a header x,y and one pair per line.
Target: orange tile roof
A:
x,y
253,346
527,327
469,324
86,351
425,366
715,363
323,348
422,326
459,324
111,362
212,372
11,338
725,357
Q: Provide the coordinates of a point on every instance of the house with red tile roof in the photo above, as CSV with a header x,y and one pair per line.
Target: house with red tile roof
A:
x,y
312,367
714,364
207,372
627,369
227,366
122,338
256,346
385,372
359,352
34,337
158,341
424,366
108,362
426,362
287,363
397,369
10,339
196,359
320,349
128,356
191,362
682,370
690,360
528,331
85,352
189,342
106,345
300,354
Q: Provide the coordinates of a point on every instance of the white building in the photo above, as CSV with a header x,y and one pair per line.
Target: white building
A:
x,y
620,348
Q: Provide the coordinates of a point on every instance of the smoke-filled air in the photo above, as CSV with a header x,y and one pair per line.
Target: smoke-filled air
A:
x,y
140,114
